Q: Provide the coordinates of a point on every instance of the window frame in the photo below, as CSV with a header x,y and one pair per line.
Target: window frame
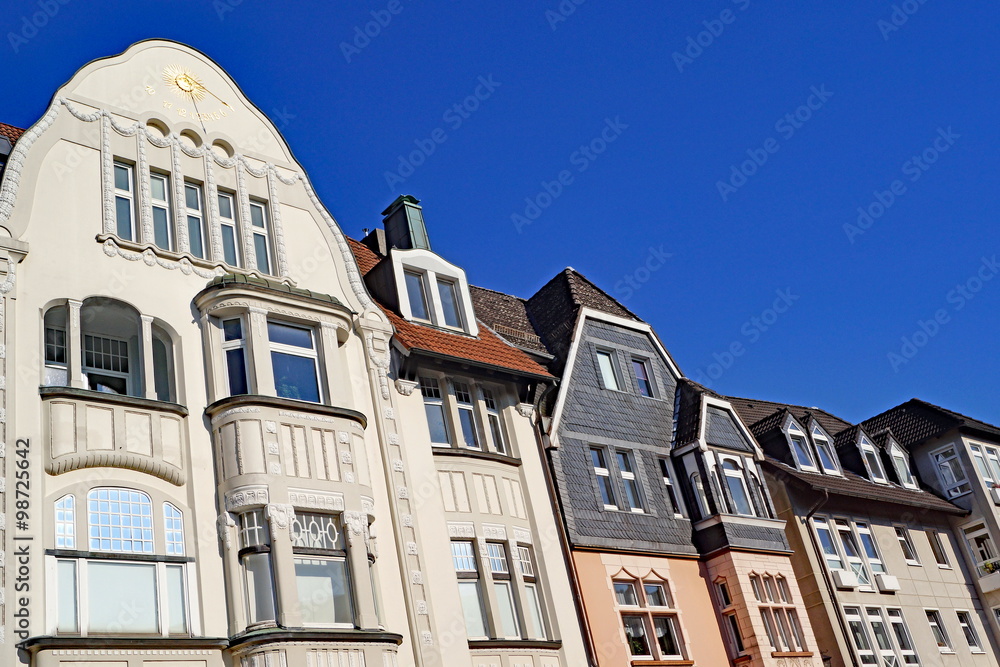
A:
x,y
126,195
899,458
470,576
421,278
451,285
738,473
465,403
947,458
824,443
936,622
87,369
313,353
240,344
604,472
937,548
906,545
433,397
976,530
796,435
647,381
254,540
231,223
666,474
602,372
494,418
626,462
648,617
334,550
865,446
198,217
968,627
266,233
166,205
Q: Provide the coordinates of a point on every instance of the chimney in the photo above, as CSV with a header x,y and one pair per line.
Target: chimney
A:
x,y
404,224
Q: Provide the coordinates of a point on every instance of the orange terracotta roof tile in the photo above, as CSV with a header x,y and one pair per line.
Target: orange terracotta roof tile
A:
x,y
11,132
367,259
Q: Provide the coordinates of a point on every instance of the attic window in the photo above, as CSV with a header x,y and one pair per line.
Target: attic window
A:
x,y
434,298
827,459
872,462
901,463
803,457
417,296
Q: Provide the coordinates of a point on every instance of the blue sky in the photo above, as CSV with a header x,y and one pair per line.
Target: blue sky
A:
x,y
714,153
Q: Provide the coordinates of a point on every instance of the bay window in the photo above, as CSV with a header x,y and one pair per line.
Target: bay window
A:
x,y
496,426
737,486
255,559
434,410
800,450
533,600
463,558
294,361
194,203
508,623
466,416
124,201
321,571
234,346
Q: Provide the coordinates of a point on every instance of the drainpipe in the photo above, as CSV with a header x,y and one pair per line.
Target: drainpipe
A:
x,y
826,574
588,639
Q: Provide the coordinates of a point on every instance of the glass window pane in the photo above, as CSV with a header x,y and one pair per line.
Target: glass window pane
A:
x,y
632,494
472,605
625,594
324,593
295,377
449,303
436,423
535,609
635,632
229,245
801,453
665,639
177,609
195,237
260,590
123,214
607,366
257,215
642,376
191,197
656,597
607,492
226,206
122,180
261,254
498,438
825,456
66,574
416,297
236,364
158,188
739,494
124,599
285,334
161,228
232,329
469,436
505,605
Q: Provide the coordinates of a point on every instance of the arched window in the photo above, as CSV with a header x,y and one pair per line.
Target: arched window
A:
x,y
737,487
66,522
111,333
120,520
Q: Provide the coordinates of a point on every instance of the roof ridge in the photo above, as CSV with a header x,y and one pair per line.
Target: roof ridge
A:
x,y
488,289
806,408
590,282
949,411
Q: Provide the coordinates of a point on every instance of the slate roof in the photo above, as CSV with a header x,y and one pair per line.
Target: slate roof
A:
x,y
11,132
507,315
753,410
723,431
855,486
916,421
689,410
487,349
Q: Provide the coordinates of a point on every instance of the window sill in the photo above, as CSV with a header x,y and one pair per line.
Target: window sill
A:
x,y
517,644
47,643
116,399
276,635
662,663
475,454
792,654
117,555
286,403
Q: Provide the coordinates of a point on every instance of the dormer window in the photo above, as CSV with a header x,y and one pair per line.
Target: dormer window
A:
x,y
803,457
902,465
872,462
737,485
417,296
824,448
449,303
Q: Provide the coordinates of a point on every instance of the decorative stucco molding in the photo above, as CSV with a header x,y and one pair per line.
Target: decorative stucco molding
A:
x,y
406,387
225,525
312,500
280,516
246,496
525,409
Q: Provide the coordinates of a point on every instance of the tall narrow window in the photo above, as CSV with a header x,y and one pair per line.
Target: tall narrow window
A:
x,y
467,415
195,219
906,545
173,524
235,348
803,457
635,633
604,482
827,458
881,634
950,472
321,572
938,630
255,557
606,364
872,462
737,487
852,553
642,376
496,426
124,202
159,192
56,349
66,522
980,459
229,229
698,486
902,635
859,634
984,553
509,626
449,303
902,465
829,545
668,487
434,410
971,636
261,227
633,495
294,361
533,602
870,547
416,296
463,558
937,546
993,458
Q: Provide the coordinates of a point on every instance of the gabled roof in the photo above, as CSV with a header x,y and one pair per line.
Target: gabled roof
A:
x,y
916,421
487,349
753,410
855,486
11,132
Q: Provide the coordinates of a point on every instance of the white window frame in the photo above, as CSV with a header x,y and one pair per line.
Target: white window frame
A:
x,y
946,458
993,459
494,417
937,548
906,544
196,215
901,462
875,617
630,480
983,566
421,277
231,223
935,620
264,232
235,344
740,475
467,402
163,204
858,564
968,625
311,353
796,435
855,615
824,443
605,473
442,282
897,623
472,577
666,474
602,372
875,561
877,475
128,195
430,391
648,370
65,522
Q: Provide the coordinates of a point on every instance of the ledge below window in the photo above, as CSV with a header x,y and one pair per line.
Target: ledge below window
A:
x,y
664,663
48,643
792,654
467,452
115,399
286,404
280,635
521,644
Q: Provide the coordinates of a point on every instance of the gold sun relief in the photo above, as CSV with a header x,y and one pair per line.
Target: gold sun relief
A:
x,y
184,83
